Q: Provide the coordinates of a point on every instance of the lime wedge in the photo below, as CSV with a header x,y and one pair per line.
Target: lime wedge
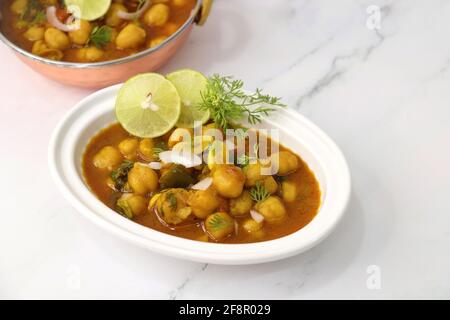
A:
x,y
189,84
148,105
88,9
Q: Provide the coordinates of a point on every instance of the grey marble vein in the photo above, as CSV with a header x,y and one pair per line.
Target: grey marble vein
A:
x,y
180,288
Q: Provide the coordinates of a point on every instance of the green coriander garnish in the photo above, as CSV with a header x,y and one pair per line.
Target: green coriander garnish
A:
x,y
100,36
120,175
39,18
124,208
217,222
244,160
228,103
172,199
33,13
259,192
159,147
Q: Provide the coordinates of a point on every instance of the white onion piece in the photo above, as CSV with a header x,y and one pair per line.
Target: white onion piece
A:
x,y
186,159
155,165
203,184
54,21
134,15
258,217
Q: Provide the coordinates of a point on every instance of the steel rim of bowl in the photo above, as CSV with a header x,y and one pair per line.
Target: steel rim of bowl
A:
x,y
80,65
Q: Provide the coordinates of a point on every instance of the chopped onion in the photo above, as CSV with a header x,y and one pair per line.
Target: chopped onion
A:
x,y
236,227
54,21
155,165
186,159
203,184
134,15
258,217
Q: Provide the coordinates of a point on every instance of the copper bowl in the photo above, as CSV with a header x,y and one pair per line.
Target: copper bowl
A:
x,y
103,74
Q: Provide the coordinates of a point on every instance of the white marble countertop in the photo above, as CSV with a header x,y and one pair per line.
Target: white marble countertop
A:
x,y
382,94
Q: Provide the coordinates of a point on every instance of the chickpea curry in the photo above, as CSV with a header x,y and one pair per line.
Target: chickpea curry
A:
x,y
239,205
54,30
179,163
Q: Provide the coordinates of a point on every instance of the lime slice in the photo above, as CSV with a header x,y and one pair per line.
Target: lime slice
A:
x,y
88,9
189,84
148,105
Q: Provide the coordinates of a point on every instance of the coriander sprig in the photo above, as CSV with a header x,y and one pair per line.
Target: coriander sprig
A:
x,y
101,36
172,199
259,192
228,103
217,222
120,175
244,160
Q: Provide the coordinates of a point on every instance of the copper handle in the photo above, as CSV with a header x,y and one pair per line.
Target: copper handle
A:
x,y
204,12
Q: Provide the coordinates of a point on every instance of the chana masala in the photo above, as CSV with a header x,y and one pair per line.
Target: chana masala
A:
x,y
226,203
48,29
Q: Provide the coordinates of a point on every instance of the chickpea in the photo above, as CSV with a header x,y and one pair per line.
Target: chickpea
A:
x,y
241,205
219,153
130,37
253,174
270,184
142,179
172,205
81,36
210,128
219,225
228,180
251,225
203,202
287,162
56,39
112,19
34,33
19,6
113,37
94,54
41,49
179,3
203,238
156,41
132,205
179,135
90,54
272,209
157,15
138,204
289,191
129,147
153,201
146,149
107,158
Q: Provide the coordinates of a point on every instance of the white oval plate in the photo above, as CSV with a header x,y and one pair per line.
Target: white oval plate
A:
x,y
296,132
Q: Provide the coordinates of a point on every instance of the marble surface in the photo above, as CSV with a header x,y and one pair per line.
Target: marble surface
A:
x,y
381,91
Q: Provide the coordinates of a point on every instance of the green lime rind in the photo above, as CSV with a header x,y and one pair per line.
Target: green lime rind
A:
x,y
190,84
147,122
